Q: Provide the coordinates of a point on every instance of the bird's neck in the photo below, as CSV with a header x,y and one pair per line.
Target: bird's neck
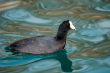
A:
x,y
61,35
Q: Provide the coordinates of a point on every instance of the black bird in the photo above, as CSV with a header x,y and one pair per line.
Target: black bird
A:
x,y
43,44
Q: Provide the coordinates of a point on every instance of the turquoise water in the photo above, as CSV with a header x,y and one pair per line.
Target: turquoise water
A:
x,y
88,47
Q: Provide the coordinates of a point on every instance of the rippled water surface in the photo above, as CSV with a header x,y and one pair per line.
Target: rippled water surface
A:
x,y
88,47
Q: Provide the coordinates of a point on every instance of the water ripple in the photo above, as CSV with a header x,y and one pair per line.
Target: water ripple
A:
x,y
94,35
23,15
105,8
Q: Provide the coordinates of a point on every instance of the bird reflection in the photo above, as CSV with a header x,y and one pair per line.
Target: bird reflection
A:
x,y
61,56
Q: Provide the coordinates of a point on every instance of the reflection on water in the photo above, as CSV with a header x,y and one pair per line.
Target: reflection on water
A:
x,y
88,47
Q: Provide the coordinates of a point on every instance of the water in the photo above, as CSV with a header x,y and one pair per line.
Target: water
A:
x,y
88,47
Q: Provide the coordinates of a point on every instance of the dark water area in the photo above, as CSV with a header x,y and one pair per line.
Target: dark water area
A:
x,y
88,48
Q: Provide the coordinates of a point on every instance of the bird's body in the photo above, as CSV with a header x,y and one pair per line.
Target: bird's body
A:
x,y
38,45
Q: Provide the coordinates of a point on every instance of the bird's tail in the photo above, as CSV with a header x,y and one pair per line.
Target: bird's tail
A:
x,y
8,49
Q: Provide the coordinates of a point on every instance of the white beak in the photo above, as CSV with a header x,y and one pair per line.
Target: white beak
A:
x,y
72,26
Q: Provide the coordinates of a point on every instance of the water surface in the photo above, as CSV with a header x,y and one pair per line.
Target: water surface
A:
x,y
88,47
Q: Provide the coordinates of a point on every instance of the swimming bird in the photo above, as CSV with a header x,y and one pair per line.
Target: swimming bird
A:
x,y
43,44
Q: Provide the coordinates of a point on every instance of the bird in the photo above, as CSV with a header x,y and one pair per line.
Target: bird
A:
x,y
43,44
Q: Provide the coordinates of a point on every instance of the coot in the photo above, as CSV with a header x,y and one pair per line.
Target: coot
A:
x,y
43,44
